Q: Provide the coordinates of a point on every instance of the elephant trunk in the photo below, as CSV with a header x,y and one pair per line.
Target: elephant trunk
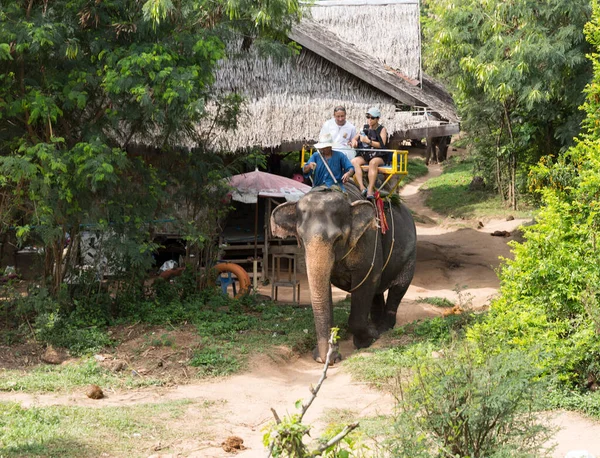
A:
x,y
319,263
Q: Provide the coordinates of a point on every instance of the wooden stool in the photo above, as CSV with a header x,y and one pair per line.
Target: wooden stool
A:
x,y
287,277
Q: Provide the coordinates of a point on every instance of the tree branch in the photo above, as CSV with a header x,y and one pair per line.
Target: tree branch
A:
x,y
332,348
335,439
277,419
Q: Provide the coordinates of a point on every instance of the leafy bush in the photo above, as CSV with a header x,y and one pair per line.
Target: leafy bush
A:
x,y
66,333
439,330
458,405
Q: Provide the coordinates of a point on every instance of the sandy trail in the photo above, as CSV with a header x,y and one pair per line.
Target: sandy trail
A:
x,y
452,255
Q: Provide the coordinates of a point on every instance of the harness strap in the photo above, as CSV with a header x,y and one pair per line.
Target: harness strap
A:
x,y
375,252
372,263
393,240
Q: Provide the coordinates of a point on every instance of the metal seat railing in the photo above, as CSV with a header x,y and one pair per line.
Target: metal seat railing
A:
x,y
398,165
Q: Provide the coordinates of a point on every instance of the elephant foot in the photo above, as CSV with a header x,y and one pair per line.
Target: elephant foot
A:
x,y
364,341
336,357
383,327
365,337
387,323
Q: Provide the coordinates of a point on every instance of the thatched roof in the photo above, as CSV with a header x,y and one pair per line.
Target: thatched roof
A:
x,y
346,60
389,32
385,78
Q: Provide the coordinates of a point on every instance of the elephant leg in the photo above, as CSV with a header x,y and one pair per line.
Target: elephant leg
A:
x,y
358,324
428,150
388,320
378,309
435,148
443,149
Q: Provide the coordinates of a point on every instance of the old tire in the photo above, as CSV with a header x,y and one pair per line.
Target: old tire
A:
x,y
239,273
224,267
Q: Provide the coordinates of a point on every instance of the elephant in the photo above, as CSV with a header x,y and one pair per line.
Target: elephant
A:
x,y
437,149
344,246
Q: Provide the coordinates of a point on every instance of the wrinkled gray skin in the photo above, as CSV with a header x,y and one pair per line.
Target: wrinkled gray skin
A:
x,y
437,149
341,239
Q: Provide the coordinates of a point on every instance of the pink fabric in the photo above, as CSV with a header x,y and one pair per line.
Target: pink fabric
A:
x,y
248,186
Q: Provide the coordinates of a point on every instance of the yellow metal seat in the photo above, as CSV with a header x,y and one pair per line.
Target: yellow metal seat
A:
x,y
398,166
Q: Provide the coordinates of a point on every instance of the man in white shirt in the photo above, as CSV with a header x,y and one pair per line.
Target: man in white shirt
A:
x,y
342,132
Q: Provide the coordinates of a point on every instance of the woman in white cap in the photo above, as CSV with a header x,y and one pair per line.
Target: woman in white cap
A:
x,y
330,167
372,139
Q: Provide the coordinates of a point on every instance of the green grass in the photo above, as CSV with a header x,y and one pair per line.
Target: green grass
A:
x,y
449,194
374,427
416,168
437,301
403,346
229,333
378,367
132,431
231,336
586,402
48,378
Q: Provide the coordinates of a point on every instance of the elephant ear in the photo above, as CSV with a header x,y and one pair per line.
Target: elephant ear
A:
x,y
283,220
363,218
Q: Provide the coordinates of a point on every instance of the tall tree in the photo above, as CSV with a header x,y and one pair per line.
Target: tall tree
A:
x,y
83,80
516,69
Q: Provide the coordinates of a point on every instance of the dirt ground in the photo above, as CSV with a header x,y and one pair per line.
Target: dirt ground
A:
x,y
456,260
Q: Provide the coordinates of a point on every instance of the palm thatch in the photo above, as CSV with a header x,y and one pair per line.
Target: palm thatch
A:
x,y
391,32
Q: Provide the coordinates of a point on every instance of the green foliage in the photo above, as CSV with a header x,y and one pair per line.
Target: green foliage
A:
x,y
215,361
352,445
516,71
549,298
379,368
286,437
231,328
587,402
93,97
370,427
230,331
416,168
81,330
459,405
440,330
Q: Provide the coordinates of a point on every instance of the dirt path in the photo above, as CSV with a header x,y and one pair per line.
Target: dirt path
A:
x,y
452,255
456,259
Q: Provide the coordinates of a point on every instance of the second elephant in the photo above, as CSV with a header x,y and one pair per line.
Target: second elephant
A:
x,y
437,149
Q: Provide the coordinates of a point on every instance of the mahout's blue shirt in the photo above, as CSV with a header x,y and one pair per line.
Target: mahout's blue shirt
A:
x,y
338,163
